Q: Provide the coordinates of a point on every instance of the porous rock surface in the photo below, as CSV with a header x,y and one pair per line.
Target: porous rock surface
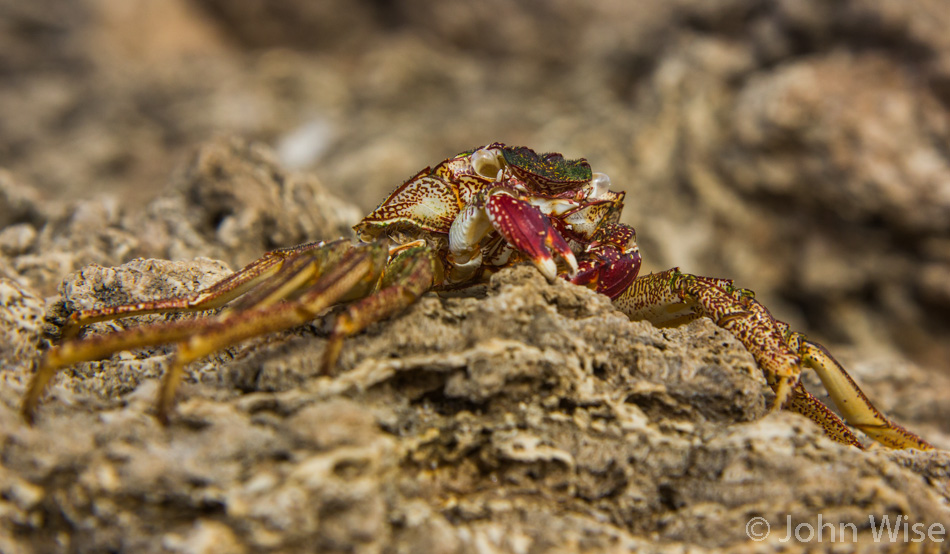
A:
x,y
530,418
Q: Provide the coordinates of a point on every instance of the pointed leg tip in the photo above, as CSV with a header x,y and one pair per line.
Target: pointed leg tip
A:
x,y
31,402
29,415
331,354
783,392
162,416
163,409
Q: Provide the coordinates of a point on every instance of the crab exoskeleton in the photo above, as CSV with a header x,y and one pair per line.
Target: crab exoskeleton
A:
x,y
451,227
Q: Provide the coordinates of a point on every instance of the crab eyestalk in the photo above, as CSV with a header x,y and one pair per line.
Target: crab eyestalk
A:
x,y
599,186
488,162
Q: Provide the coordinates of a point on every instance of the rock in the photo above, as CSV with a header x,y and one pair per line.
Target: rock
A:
x,y
233,200
795,146
528,419
21,314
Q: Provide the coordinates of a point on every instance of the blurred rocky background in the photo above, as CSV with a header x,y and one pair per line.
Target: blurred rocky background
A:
x,y
799,147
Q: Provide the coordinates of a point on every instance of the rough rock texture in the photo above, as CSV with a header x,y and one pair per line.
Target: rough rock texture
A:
x,y
232,200
797,146
531,418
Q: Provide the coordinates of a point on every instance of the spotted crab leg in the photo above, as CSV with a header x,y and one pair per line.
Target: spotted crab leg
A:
x,y
672,298
278,269
805,403
214,296
354,275
408,275
848,397
309,279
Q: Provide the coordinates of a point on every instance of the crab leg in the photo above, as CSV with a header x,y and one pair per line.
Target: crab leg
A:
x,y
407,276
672,298
804,403
848,397
301,268
278,267
98,347
356,274
209,298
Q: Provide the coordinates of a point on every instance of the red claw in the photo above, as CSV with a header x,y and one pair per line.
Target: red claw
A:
x,y
609,276
612,261
529,231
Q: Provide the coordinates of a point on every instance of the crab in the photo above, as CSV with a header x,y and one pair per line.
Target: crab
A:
x,y
450,227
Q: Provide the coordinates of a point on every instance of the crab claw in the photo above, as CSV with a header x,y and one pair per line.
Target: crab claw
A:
x,y
611,261
529,231
609,275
